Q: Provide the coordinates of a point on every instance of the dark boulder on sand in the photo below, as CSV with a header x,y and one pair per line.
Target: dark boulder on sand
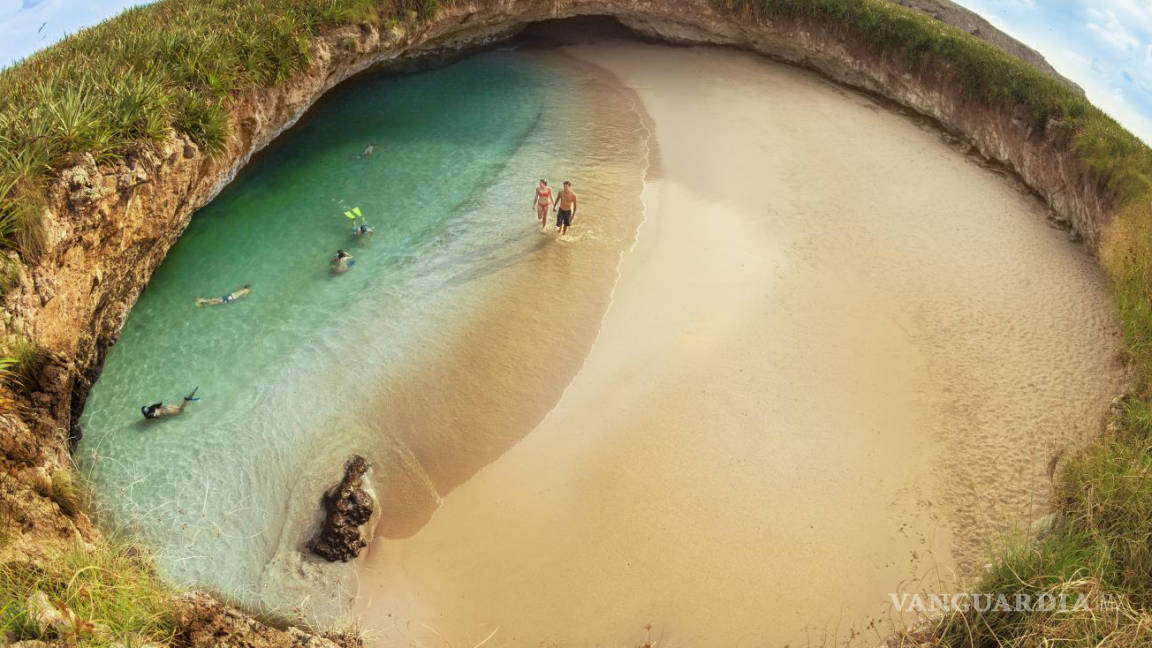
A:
x,y
347,506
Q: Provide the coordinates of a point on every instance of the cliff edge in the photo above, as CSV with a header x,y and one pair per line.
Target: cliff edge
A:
x,y
109,224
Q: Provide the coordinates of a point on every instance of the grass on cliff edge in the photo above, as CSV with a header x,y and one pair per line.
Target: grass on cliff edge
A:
x,y
174,64
177,64
1117,160
107,596
1101,542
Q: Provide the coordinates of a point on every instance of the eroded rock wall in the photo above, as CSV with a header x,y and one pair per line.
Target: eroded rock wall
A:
x,y
109,227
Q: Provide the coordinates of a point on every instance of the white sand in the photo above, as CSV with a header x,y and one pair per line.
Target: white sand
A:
x,y
838,358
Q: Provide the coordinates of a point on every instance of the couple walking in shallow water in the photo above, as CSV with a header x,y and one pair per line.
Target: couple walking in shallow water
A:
x,y
564,204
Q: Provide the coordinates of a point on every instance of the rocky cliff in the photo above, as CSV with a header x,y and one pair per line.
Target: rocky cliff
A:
x,y
970,22
347,507
109,226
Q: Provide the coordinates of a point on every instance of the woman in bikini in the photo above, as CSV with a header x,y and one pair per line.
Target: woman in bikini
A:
x,y
542,201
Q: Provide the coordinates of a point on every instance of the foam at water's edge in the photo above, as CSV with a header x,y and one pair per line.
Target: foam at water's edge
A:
x,y
649,168
450,339
757,447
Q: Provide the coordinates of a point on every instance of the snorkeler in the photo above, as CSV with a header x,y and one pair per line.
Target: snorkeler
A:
x,y
363,230
160,410
239,293
341,262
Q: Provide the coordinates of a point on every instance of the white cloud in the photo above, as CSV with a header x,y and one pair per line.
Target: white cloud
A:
x,y
1093,42
9,7
1106,24
29,25
1135,13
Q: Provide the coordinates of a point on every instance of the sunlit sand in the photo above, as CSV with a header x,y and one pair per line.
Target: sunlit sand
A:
x,y
836,364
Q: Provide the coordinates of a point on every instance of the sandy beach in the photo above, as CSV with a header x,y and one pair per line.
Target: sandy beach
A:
x,y
835,366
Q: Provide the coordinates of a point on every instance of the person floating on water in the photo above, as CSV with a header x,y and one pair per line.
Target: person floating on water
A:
x,y
362,229
541,202
239,293
368,150
565,208
160,410
342,262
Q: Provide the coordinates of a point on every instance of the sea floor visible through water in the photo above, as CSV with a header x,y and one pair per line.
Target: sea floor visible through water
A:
x,y
796,355
834,369
448,340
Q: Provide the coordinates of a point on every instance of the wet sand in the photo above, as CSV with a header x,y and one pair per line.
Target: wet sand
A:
x,y
503,336
835,365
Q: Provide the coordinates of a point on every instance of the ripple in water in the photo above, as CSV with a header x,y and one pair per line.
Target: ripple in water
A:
x,y
447,342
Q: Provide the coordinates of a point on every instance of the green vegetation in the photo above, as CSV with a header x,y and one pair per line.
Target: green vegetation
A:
x,y
175,64
20,361
178,64
7,373
1115,158
1101,543
64,493
106,597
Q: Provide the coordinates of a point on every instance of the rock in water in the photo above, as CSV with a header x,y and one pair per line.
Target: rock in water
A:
x,y
347,506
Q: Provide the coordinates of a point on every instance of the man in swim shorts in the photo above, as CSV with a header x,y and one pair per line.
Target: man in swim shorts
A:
x,y
160,410
239,293
542,201
566,205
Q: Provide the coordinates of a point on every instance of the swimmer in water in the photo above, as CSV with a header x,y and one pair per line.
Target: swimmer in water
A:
x,y
160,410
341,262
368,150
239,293
363,230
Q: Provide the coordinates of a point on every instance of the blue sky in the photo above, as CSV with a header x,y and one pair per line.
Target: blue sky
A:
x,y
1104,45
28,25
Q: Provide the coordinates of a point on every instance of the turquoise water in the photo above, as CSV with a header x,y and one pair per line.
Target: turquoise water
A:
x,y
290,377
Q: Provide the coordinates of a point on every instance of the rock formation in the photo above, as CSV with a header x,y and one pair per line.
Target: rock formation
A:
x,y
971,22
347,506
204,622
109,225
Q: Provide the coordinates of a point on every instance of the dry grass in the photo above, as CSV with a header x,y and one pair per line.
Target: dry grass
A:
x,y
77,596
178,63
21,362
65,493
172,65
1117,160
1101,544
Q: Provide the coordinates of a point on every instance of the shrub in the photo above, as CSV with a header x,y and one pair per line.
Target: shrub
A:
x,y
108,597
1102,542
1118,161
175,64
64,492
22,361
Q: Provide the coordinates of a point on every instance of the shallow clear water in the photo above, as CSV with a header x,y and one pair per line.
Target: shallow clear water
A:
x,y
313,367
